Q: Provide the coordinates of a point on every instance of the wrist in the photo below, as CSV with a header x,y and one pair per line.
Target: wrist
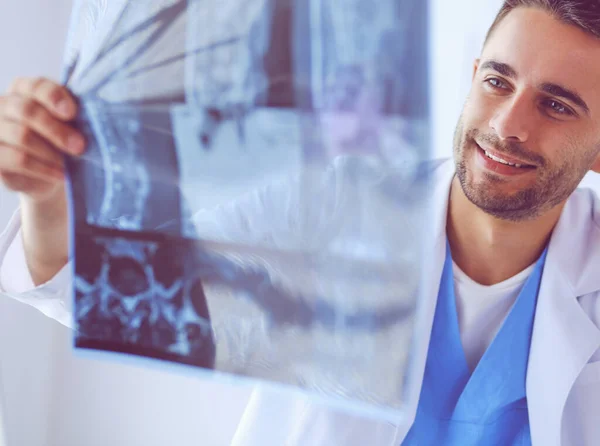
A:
x,y
44,228
51,208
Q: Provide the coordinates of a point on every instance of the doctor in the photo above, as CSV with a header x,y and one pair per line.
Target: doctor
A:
x,y
512,352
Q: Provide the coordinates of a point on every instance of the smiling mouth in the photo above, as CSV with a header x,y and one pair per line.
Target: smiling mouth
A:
x,y
510,162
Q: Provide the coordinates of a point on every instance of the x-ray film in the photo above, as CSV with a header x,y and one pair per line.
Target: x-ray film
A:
x,y
250,204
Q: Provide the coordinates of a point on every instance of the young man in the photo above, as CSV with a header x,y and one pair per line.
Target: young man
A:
x,y
512,352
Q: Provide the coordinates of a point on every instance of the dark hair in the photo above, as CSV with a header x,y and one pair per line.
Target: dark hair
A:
x,y
584,14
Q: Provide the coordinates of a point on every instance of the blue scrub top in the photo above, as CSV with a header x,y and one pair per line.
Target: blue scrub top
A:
x,y
488,406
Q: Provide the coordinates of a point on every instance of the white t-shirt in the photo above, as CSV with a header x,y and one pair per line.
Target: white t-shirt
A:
x,y
482,309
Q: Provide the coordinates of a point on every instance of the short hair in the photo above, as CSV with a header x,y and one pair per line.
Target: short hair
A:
x,y
584,14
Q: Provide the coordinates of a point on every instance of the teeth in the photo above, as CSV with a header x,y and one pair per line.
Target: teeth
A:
x,y
500,160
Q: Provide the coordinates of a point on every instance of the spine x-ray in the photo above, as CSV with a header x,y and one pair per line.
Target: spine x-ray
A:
x,y
250,206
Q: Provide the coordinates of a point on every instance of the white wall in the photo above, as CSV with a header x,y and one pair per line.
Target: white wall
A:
x,y
459,27
31,35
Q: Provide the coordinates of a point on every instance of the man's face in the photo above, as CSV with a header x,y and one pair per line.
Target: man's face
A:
x,y
534,103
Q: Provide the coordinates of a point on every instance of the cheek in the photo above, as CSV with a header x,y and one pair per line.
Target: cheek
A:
x,y
477,110
568,151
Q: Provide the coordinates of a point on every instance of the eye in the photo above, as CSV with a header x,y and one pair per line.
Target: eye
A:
x,y
559,108
496,83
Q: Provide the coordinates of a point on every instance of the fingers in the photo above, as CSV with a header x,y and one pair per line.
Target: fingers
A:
x,y
33,118
25,139
26,185
54,97
35,134
20,162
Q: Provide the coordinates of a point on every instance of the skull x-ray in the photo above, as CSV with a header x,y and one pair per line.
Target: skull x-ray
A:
x,y
251,200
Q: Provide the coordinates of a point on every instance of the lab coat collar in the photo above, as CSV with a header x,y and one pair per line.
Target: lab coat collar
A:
x,y
564,337
575,242
573,248
436,208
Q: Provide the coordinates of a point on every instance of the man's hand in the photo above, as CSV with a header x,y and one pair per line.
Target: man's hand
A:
x,y
34,135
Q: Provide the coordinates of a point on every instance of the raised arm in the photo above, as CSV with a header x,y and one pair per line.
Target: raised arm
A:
x,y
35,133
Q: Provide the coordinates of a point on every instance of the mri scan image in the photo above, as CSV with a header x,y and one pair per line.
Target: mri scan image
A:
x,y
251,201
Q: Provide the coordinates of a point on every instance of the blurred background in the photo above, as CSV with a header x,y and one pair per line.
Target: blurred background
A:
x,y
50,397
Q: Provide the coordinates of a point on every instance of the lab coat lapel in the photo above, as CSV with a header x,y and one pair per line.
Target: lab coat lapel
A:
x,y
431,273
564,338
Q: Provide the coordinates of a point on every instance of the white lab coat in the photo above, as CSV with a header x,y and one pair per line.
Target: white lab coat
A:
x,y
563,379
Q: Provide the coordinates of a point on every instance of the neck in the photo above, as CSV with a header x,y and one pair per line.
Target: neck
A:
x,y
490,250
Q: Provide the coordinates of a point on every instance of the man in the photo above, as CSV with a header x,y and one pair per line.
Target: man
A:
x,y
512,352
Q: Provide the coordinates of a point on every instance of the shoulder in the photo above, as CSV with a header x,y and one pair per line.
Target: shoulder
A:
x,y
361,166
583,215
590,304
407,183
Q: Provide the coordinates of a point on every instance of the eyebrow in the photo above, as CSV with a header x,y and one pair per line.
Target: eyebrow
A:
x,y
502,68
547,87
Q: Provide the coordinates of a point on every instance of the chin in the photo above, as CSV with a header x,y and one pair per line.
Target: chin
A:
x,y
495,197
514,208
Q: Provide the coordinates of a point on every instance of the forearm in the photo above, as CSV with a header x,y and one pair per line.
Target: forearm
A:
x,y
44,228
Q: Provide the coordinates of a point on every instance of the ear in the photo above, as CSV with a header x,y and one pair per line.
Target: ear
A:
x,y
475,68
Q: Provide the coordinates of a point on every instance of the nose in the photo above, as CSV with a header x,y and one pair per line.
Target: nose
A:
x,y
513,120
